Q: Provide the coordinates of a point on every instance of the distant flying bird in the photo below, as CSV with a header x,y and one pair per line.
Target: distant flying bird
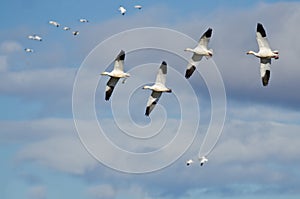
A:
x,y
122,10
265,54
83,20
198,52
158,88
35,37
115,74
54,23
75,33
66,28
202,160
28,50
138,7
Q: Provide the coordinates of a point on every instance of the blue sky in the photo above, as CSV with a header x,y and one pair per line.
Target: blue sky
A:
x,y
41,154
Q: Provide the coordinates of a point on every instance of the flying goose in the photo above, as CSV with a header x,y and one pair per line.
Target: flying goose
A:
x,y
35,37
115,74
54,23
265,54
138,7
75,33
198,52
83,20
66,28
158,88
201,159
122,10
28,50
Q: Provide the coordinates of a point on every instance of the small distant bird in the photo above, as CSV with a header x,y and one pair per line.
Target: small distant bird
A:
x,y
189,162
75,32
83,20
265,54
202,160
28,50
35,37
122,10
158,88
138,7
115,74
66,28
54,23
198,52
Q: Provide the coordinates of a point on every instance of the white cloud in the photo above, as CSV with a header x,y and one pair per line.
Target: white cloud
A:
x,y
3,63
10,47
63,153
103,191
37,192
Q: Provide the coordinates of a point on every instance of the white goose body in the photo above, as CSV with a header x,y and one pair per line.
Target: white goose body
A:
x,y
115,74
198,52
265,54
201,159
54,23
158,88
35,37
122,10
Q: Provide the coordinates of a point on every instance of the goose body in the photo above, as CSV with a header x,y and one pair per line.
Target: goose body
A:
x,y
66,28
35,37
198,52
115,74
202,160
138,7
28,50
122,10
75,33
83,20
158,88
265,54
54,23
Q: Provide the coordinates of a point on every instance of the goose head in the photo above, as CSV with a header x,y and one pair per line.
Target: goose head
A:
x,y
276,52
147,87
104,73
189,50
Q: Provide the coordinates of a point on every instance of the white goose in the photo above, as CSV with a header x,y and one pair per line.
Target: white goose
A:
x,y
28,50
138,7
265,54
82,20
202,160
115,74
75,32
66,28
122,10
198,52
35,37
54,23
158,88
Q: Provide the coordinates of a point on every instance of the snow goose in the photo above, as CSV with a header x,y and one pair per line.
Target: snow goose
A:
x,y
202,160
122,10
66,28
138,7
198,52
115,74
158,88
54,23
28,50
265,54
75,33
83,20
35,37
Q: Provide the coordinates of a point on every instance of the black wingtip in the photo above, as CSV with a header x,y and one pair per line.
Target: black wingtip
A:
x,y
208,33
265,78
261,30
164,63
121,55
147,113
189,72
